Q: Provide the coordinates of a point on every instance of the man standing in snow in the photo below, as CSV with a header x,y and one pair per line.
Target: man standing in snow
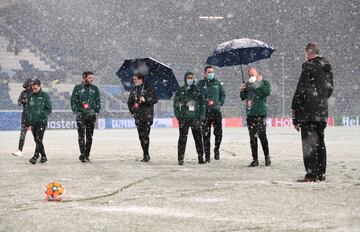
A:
x,y
85,103
141,104
38,108
255,92
189,109
310,111
214,97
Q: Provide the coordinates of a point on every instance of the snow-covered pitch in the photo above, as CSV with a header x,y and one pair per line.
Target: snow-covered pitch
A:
x,y
118,193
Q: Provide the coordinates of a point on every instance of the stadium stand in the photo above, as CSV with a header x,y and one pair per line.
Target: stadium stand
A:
x,y
49,45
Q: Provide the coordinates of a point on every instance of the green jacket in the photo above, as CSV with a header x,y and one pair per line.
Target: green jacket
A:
x,y
213,92
189,103
255,95
38,108
85,100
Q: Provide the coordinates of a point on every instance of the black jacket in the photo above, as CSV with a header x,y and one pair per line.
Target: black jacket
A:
x,y
143,112
22,101
315,86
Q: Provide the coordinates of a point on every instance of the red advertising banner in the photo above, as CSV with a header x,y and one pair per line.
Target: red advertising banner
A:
x,y
271,122
287,122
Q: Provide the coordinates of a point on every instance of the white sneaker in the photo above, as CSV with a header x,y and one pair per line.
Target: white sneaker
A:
x,y
17,153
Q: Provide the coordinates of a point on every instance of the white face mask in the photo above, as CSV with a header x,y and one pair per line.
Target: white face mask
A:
x,y
252,79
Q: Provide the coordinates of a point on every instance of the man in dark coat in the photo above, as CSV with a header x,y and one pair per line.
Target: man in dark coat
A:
x,y
141,105
310,111
189,109
22,101
85,103
255,92
214,97
38,108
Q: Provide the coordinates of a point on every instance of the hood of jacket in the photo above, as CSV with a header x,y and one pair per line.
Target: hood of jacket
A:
x,y
185,77
325,64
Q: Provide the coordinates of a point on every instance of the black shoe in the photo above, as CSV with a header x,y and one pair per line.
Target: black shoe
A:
x,y
201,160
82,159
267,161
33,160
43,159
207,160
217,154
181,162
87,159
146,158
254,163
321,178
307,179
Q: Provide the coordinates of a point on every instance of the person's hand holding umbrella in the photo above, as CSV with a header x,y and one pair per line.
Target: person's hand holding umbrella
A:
x,y
242,87
142,99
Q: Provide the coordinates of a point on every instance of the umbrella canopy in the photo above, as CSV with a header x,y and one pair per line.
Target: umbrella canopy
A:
x,y
157,74
238,52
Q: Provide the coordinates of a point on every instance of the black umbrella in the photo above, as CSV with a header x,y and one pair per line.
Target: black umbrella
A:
x,y
157,74
239,52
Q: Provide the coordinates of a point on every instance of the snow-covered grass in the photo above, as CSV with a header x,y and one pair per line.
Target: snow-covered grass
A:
x,y
118,193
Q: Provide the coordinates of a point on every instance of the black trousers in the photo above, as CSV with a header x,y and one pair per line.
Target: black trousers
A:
x,y
257,129
214,119
143,128
24,129
85,127
38,133
314,150
195,126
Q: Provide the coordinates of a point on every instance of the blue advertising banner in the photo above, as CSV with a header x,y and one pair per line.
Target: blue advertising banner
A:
x,y
67,120
10,120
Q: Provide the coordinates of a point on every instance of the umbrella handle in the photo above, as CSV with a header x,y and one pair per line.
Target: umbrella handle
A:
x,y
242,73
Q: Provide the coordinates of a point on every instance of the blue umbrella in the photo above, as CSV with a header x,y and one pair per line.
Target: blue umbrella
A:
x,y
239,52
157,74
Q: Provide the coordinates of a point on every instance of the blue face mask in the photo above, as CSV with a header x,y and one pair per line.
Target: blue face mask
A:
x,y
189,81
210,76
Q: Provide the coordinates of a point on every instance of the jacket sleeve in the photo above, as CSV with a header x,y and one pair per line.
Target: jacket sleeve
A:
x,y
264,90
200,86
301,88
74,101
150,96
97,101
21,97
300,98
27,106
222,94
201,105
47,105
177,103
243,94
131,102
331,84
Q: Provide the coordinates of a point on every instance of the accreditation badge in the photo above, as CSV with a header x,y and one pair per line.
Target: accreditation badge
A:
x,y
191,105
